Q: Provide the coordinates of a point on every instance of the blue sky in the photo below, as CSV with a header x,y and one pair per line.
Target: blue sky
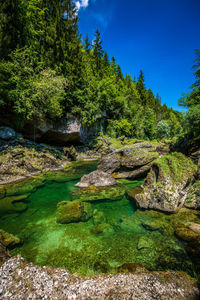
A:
x,y
157,36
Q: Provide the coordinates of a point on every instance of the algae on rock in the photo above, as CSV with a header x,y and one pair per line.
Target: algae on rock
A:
x,y
69,212
92,193
166,185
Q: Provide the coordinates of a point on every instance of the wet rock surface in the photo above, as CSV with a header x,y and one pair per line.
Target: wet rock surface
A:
x,y
22,280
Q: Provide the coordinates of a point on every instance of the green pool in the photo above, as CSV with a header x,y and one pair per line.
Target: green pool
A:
x,y
77,246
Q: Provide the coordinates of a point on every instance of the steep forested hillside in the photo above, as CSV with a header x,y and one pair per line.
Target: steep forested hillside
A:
x,y
47,71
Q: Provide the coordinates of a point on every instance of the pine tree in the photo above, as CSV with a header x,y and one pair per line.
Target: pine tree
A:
x,y
141,88
119,74
86,44
106,60
98,50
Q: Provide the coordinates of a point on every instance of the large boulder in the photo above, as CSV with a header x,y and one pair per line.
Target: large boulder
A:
x,y
97,178
7,133
166,186
133,161
93,194
70,212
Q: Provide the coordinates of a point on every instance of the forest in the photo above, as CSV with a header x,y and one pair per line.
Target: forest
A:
x,y
47,70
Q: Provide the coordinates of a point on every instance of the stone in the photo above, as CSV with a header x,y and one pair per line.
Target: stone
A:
x,y
71,153
193,196
70,212
13,204
194,227
132,268
102,228
132,161
92,193
8,239
167,184
97,179
131,193
7,133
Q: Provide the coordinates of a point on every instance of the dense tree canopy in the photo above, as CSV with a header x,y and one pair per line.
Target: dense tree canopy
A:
x,y
46,71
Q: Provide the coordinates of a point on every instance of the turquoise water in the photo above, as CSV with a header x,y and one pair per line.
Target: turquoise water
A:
x,y
83,248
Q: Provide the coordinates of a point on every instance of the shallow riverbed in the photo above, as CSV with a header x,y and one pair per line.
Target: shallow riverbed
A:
x,y
80,248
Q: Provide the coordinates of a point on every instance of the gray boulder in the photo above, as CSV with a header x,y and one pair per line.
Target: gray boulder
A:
x,y
7,133
97,179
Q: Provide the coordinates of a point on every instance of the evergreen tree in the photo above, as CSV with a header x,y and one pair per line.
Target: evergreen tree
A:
x,y
86,44
141,88
98,50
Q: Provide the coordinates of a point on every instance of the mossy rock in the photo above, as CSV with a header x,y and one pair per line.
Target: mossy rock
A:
x,y
24,186
102,228
70,212
193,197
166,185
131,193
13,204
8,239
92,193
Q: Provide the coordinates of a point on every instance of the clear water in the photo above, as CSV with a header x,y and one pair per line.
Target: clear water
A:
x,y
77,247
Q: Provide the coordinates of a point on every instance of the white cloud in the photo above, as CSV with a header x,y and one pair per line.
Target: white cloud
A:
x,y
81,3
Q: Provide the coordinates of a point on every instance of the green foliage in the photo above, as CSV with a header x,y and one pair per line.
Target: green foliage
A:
x,y
163,130
47,72
192,101
119,128
193,117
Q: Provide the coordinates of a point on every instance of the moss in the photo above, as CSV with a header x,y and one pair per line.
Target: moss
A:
x,y
68,212
13,204
92,193
175,165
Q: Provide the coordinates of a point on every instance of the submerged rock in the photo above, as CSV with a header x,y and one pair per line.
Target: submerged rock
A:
x,y
97,179
191,234
166,186
102,228
8,239
13,204
92,193
132,268
69,212
22,280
